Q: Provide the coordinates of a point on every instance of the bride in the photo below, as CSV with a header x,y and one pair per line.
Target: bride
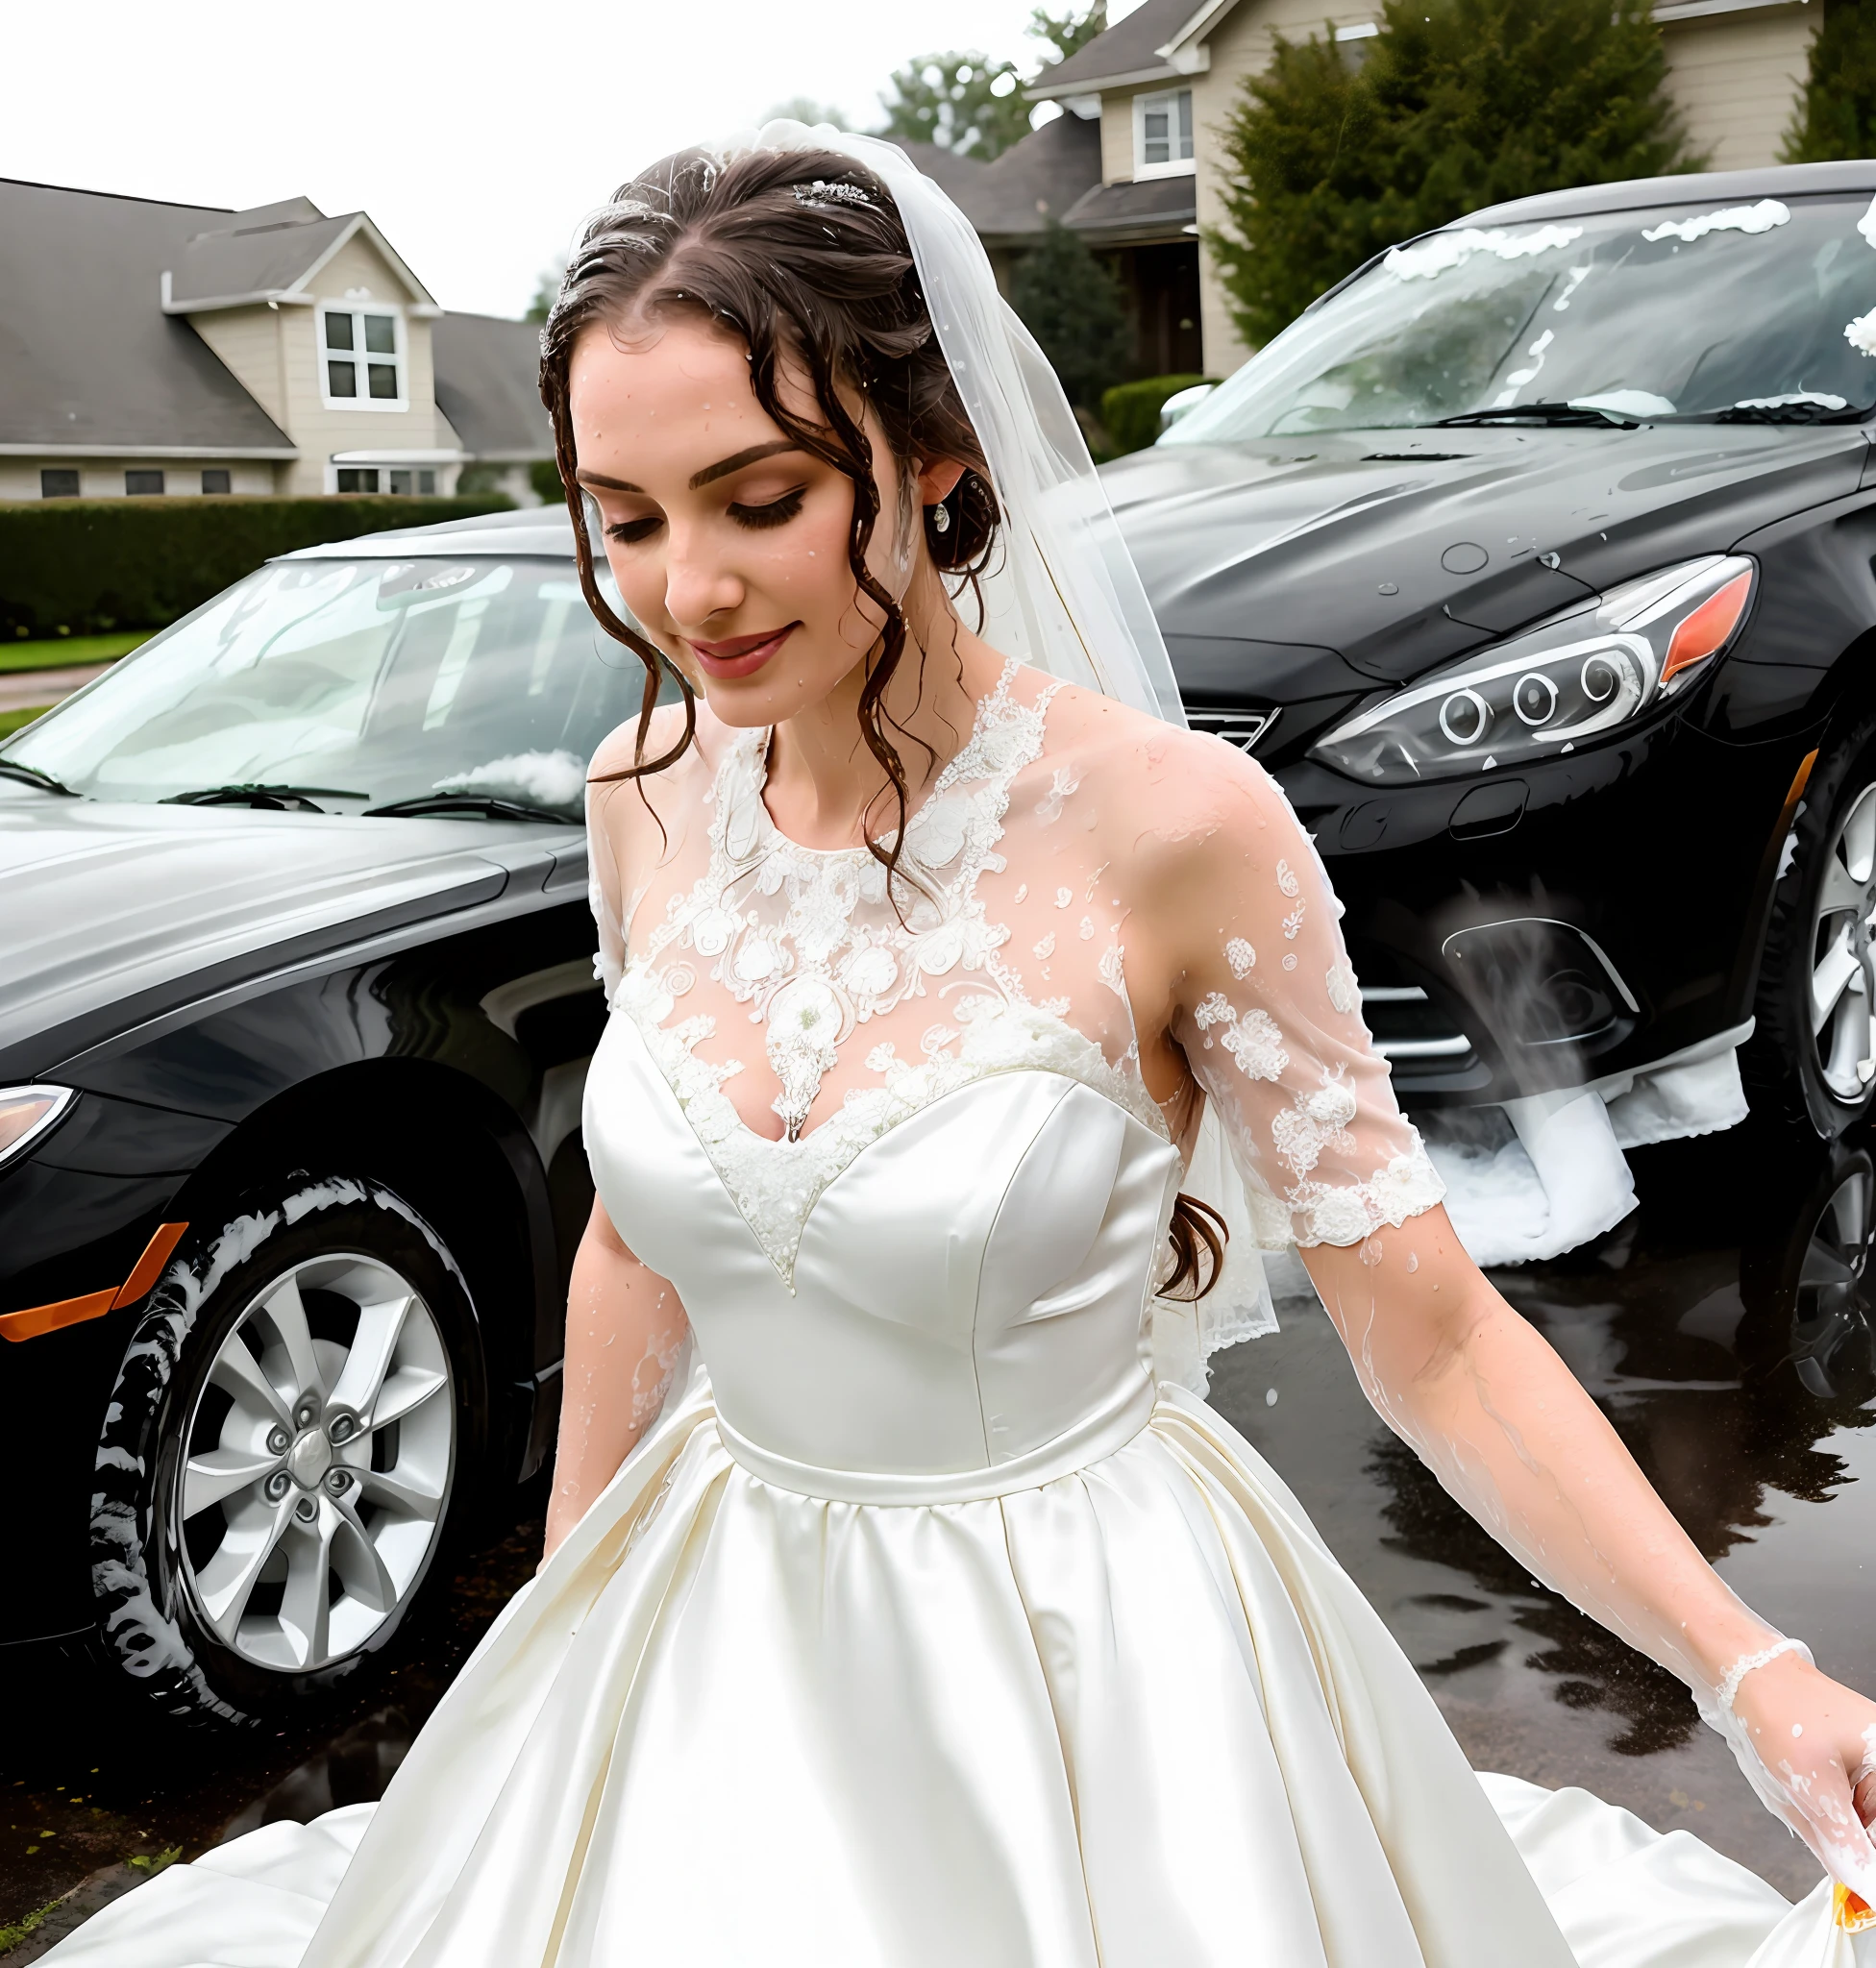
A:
x,y
973,1025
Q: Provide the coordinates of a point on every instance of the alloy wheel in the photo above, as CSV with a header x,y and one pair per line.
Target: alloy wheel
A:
x,y
1830,1319
1843,964
321,1450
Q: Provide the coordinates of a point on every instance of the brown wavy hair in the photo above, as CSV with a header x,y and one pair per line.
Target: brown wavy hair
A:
x,y
802,257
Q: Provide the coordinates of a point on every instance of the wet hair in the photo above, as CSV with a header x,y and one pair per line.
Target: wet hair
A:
x,y
802,257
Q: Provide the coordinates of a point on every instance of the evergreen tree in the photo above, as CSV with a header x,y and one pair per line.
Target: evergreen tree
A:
x,y
1836,117
964,102
1458,104
1071,305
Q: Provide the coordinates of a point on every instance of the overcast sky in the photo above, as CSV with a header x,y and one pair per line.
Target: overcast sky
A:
x,y
476,135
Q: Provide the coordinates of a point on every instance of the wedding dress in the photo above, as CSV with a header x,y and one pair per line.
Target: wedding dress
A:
x,y
932,1625
936,1622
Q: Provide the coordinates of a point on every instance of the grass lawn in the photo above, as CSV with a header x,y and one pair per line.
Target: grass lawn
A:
x,y
11,720
63,652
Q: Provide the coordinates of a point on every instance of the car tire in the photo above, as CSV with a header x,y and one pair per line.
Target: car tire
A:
x,y
285,1450
1810,1064
1807,1292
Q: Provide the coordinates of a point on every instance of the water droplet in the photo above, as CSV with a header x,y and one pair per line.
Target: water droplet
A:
x,y
1390,587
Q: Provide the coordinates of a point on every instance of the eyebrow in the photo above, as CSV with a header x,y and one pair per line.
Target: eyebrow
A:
x,y
719,470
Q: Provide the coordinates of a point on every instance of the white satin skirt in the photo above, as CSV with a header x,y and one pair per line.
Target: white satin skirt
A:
x,y
1134,1716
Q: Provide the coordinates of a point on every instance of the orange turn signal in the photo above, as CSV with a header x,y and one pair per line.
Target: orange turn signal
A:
x,y
1709,627
70,1312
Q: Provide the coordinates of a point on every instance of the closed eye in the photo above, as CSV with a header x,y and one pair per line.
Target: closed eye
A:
x,y
777,513
631,530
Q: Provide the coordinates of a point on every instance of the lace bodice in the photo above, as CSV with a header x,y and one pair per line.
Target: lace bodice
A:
x,y
798,1011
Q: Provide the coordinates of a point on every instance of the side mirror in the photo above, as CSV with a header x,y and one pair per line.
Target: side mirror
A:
x,y
1180,401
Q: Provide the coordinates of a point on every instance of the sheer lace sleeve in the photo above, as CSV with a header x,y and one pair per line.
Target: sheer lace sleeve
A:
x,y
1269,1018
630,832
604,888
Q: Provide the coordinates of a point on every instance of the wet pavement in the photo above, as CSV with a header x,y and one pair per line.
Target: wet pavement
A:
x,y
1724,1329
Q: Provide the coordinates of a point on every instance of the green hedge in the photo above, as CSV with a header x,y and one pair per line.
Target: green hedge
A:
x,y
1131,410
86,566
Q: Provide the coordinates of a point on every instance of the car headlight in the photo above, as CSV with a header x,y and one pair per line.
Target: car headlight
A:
x,y
25,1113
1578,677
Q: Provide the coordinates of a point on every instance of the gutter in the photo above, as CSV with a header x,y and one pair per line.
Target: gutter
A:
x,y
131,448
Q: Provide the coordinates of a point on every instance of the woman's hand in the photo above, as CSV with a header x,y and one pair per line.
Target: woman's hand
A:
x,y
1808,1746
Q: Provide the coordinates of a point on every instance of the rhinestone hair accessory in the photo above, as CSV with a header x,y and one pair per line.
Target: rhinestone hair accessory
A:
x,y
823,191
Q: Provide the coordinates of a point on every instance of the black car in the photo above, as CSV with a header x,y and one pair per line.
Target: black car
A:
x,y
296,1000
1536,562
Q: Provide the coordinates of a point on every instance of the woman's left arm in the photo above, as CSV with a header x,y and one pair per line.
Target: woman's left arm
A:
x,y
1483,1399
1237,925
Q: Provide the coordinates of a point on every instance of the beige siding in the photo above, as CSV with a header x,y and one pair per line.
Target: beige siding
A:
x,y
357,273
1117,135
248,341
1737,78
1241,46
104,478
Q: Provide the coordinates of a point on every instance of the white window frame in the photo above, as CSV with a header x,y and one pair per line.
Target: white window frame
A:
x,y
1168,100
357,354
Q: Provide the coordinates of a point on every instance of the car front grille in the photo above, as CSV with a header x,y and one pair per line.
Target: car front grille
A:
x,y
1240,727
1406,1025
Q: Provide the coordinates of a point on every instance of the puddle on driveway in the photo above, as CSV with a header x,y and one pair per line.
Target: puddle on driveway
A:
x,y
1725,1331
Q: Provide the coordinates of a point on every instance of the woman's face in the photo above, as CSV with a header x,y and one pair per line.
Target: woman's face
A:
x,y
728,543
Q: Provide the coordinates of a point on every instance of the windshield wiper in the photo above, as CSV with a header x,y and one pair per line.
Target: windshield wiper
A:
x,y
1537,413
34,776
481,804
268,797
1786,413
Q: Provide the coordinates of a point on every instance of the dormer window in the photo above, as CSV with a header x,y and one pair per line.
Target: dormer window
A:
x,y
1161,134
361,359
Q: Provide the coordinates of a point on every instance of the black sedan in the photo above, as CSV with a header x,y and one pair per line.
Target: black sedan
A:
x,y
1535,562
295,1010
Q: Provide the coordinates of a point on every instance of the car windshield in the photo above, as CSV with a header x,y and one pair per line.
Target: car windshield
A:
x,y
361,683
1757,312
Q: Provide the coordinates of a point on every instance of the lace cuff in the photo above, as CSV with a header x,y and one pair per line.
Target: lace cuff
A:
x,y
1325,1213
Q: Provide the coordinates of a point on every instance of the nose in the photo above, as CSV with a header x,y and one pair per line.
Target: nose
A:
x,y
700,585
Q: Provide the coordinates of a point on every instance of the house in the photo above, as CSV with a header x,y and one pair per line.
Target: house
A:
x,y
1056,173
156,348
1159,84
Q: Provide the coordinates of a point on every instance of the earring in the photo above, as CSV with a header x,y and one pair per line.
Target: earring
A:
x,y
941,518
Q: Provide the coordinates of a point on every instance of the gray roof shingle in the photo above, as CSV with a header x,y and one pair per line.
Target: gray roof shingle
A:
x,y
1129,214
488,386
88,360
1130,47
1036,179
263,259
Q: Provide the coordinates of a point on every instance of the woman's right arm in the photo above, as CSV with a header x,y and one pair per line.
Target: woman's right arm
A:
x,y
624,1329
